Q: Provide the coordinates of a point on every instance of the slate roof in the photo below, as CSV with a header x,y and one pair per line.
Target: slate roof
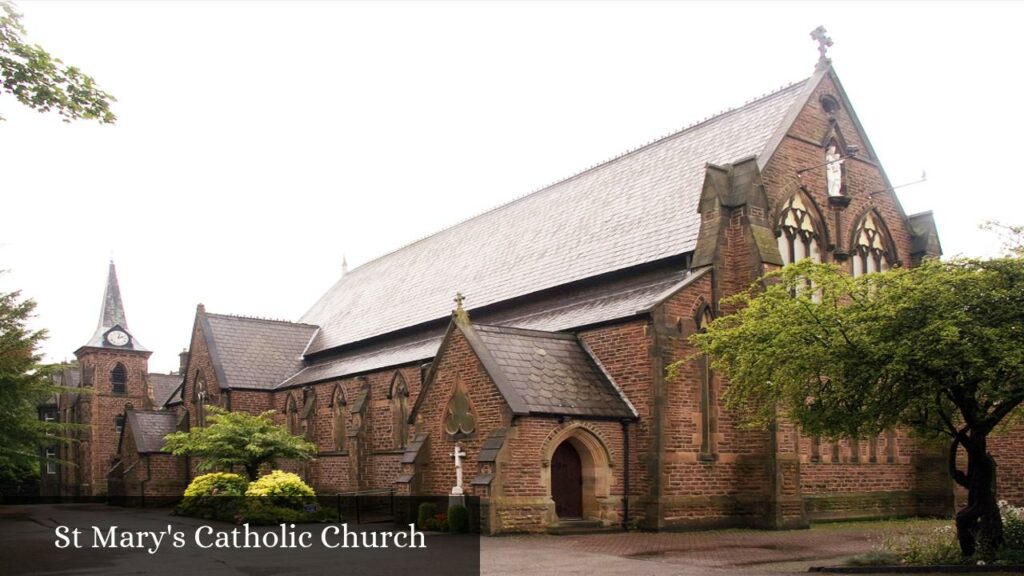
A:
x,y
252,352
638,208
164,385
112,314
547,373
149,428
571,308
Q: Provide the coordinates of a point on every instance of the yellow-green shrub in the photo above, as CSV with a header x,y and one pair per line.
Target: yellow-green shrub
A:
x,y
214,496
282,489
217,484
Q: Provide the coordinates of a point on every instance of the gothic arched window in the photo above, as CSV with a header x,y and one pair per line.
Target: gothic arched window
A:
x,y
702,320
870,252
797,236
201,396
339,421
291,412
119,379
399,395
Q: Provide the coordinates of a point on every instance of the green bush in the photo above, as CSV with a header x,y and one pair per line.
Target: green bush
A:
x,y
458,519
217,484
216,496
1013,526
282,489
939,546
425,514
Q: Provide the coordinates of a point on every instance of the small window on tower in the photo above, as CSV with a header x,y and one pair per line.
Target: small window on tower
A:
x,y
119,379
119,424
51,457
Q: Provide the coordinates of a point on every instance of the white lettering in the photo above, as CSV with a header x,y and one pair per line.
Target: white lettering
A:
x,y
99,542
199,532
323,536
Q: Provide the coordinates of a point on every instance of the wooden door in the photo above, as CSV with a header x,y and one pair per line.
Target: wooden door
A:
x,y
567,482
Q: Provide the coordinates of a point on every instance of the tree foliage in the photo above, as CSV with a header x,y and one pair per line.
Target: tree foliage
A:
x,y
24,384
936,348
44,83
238,439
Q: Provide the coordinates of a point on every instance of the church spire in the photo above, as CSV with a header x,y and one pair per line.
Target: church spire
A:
x,y
112,328
112,311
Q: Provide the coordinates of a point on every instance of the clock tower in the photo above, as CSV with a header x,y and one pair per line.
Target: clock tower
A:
x,y
114,365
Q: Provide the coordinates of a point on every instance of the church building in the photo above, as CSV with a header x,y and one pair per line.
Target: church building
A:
x,y
535,338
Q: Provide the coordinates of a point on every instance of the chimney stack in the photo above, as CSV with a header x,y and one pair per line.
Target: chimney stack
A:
x,y
182,361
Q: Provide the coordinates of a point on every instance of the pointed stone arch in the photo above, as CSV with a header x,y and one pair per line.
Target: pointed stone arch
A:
x,y
398,394
708,418
871,246
291,414
801,229
595,467
201,396
339,417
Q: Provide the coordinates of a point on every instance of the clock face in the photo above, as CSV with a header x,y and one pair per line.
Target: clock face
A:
x,y
117,337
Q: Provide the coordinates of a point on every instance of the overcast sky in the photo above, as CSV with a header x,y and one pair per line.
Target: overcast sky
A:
x,y
257,143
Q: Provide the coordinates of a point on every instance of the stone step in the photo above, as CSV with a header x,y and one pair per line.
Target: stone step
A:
x,y
580,527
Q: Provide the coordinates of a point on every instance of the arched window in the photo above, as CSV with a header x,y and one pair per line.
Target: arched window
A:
x,y
119,379
870,242
702,320
201,396
797,236
339,420
399,395
291,412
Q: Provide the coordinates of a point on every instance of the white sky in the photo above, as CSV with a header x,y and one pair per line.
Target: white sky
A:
x,y
259,142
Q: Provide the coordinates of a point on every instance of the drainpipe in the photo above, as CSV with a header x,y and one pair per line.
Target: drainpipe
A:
x,y
625,475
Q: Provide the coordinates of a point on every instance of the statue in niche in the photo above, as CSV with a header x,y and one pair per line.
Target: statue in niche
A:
x,y
834,170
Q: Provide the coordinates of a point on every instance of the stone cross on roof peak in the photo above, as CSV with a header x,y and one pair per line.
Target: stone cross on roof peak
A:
x,y
460,313
824,42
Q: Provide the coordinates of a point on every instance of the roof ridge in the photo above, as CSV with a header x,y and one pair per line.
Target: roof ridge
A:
x,y
260,319
524,331
628,152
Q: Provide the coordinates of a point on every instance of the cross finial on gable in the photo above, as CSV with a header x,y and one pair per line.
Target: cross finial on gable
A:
x,y
824,42
459,313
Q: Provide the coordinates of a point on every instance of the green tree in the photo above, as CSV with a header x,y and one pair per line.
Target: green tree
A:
x,y
935,348
44,83
1012,236
24,384
238,439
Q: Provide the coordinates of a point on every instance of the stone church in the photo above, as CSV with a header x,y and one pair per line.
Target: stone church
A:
x,y
536,337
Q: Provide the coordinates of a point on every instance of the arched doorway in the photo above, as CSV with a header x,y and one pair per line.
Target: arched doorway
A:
x,y
567,481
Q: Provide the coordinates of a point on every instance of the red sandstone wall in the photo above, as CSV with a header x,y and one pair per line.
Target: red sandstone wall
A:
x,y
625,352
844,483
457,364
101,408
801,148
